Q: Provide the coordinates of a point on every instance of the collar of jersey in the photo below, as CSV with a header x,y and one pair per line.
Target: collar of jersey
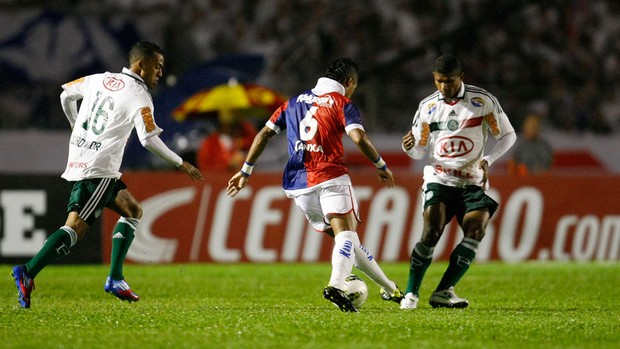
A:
x,y
460,95
327,85
126,71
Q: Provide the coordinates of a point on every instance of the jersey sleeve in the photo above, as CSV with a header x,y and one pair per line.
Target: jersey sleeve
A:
x,y
421,131
144,121
352,118
277,121
71,93
75,89
497,121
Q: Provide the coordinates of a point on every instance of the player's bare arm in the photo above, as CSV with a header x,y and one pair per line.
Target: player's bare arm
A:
x,y
155,145
366,147
237,182
191,171
484,165
240,179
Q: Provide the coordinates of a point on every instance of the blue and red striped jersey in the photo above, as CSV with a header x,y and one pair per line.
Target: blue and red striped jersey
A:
x,y
314,127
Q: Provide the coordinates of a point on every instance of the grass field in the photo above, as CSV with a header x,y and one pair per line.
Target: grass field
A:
x,y
529,305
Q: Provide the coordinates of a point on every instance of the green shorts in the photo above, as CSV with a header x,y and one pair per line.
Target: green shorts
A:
x,y
90,196
459,201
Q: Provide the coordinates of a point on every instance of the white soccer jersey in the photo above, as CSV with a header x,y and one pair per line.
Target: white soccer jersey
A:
x,y
454,134
112,105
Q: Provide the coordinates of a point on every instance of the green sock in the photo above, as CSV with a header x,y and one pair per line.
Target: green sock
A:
x,y
121,241
460,260
421,258
58,244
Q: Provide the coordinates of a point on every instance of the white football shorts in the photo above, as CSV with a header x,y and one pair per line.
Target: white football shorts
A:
x,y
317,205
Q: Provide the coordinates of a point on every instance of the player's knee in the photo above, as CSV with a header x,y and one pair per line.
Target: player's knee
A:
x,y
475,232
134,209
431,236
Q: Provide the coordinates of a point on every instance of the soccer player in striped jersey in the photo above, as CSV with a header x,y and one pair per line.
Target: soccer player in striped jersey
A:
x,y
113,104
451,127
316,176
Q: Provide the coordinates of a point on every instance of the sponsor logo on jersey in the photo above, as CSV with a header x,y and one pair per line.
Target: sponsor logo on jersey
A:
x,y
492,122
113,84
313,148
477,102
325,101
455,172
147,117
431,108
424,134
77,164
453,146
76,81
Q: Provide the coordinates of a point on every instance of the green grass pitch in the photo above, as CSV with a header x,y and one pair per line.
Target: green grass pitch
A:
x,y
526,305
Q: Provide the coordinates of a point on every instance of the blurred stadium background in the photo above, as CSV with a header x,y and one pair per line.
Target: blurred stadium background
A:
x,y
558,59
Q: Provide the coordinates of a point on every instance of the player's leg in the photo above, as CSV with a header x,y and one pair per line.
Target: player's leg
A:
x,y
322,207
346,243
86,201
343,256
339,207
58,243
479,208
334,205
365,262
310,205
474,224
435,219
460,259
123,234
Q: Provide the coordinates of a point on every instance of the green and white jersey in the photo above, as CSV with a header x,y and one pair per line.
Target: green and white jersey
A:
x,y
454,133
112,105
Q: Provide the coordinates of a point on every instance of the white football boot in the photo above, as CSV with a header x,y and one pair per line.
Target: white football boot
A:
x,y
409,302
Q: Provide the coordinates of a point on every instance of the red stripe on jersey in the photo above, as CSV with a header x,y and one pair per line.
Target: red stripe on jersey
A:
x,y
328,163
473,122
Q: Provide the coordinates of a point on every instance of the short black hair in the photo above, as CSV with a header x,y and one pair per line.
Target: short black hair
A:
x,y
447,65
340,69
143,49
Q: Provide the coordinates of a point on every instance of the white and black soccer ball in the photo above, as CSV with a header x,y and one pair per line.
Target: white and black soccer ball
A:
x,y
356,289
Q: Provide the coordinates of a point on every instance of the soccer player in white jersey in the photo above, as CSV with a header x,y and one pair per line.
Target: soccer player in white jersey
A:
x,y
113,104
451,126
316,176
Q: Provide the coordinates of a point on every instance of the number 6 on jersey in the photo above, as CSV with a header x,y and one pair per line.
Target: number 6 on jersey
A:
x,y
309,125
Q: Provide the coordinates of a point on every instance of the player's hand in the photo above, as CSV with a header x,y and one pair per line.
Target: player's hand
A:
x,y
191,171
236,183
408,141
484,165
386,176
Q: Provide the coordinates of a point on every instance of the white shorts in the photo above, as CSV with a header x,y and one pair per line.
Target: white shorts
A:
x,y
317,205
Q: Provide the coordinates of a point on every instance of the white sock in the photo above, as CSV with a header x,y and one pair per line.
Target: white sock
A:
x,y
365,262
343,256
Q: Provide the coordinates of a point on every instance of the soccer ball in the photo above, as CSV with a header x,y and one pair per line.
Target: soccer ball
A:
x,y
356,289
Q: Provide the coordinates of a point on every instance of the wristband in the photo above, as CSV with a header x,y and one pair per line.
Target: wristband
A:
x,y
380,164
247,168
